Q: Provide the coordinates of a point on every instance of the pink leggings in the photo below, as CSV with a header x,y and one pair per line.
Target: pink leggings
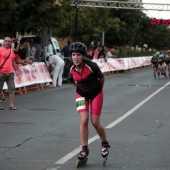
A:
x,y
95,104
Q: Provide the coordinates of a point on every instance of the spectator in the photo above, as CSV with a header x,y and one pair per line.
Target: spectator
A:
x,y
96,50
25,54
37,50
66,48
26,50
67,59
7,66
15,45
111,53
101,52
56,69
90,52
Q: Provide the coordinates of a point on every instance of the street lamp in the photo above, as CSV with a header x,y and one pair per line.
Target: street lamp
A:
x,y
76,18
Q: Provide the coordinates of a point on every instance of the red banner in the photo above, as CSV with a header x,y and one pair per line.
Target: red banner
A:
x,y
157,22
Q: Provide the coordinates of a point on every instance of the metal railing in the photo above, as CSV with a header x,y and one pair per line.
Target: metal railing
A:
x,y
120,5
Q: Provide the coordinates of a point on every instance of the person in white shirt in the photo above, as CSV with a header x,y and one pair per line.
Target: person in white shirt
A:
x,y
56,66
1,42
111,53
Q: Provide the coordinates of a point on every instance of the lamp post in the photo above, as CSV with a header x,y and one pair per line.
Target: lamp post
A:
x,y
76,17
103,38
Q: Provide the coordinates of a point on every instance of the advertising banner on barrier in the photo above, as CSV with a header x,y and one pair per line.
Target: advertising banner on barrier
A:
x,y
122,63
31,74
115,64
38,72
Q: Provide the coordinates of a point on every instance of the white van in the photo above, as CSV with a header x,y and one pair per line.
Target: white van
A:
x,y
53,48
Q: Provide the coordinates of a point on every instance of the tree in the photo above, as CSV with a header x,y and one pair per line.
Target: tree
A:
x,y
35,16
39,17
9,13
121,27
91,22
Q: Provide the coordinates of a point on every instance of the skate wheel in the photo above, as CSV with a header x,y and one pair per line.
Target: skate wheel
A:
x,y
104,161
78,164
81,163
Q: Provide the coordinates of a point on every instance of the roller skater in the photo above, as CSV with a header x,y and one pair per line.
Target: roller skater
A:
x,y
154,61
105,151
82,157
168,62
89,96
162,64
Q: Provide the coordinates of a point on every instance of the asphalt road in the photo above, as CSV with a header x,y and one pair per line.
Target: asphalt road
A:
x,y
43,134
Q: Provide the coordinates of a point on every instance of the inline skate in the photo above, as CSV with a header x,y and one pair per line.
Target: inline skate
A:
x,y
82,158
105,151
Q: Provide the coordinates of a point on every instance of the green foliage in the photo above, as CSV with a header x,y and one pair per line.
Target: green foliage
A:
x,y
139,53
121,27
35,16
8,12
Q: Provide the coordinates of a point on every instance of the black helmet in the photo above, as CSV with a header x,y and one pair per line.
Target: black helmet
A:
x,y
78,47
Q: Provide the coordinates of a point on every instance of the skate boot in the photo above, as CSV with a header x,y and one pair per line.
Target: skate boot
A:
x,y
82,157
105,151
155,75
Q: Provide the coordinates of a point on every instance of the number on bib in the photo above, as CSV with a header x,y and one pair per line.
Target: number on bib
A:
x,y
80,103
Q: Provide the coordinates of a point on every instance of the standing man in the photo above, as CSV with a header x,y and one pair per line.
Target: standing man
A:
x,y
7,66
67,59
66,48
37,49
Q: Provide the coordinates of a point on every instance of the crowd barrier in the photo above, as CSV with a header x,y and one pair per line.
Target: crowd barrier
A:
x,y
34,74
37,73
118,64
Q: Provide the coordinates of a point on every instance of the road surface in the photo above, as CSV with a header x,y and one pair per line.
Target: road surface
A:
x,y
43,134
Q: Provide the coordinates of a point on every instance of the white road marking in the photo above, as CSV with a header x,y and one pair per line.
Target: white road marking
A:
x,y
135,108
111,125
74,152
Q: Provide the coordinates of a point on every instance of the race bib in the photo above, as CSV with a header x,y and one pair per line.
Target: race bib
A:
x,y
80,103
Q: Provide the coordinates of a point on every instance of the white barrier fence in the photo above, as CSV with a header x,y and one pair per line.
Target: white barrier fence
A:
x,y
122,63
37,73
